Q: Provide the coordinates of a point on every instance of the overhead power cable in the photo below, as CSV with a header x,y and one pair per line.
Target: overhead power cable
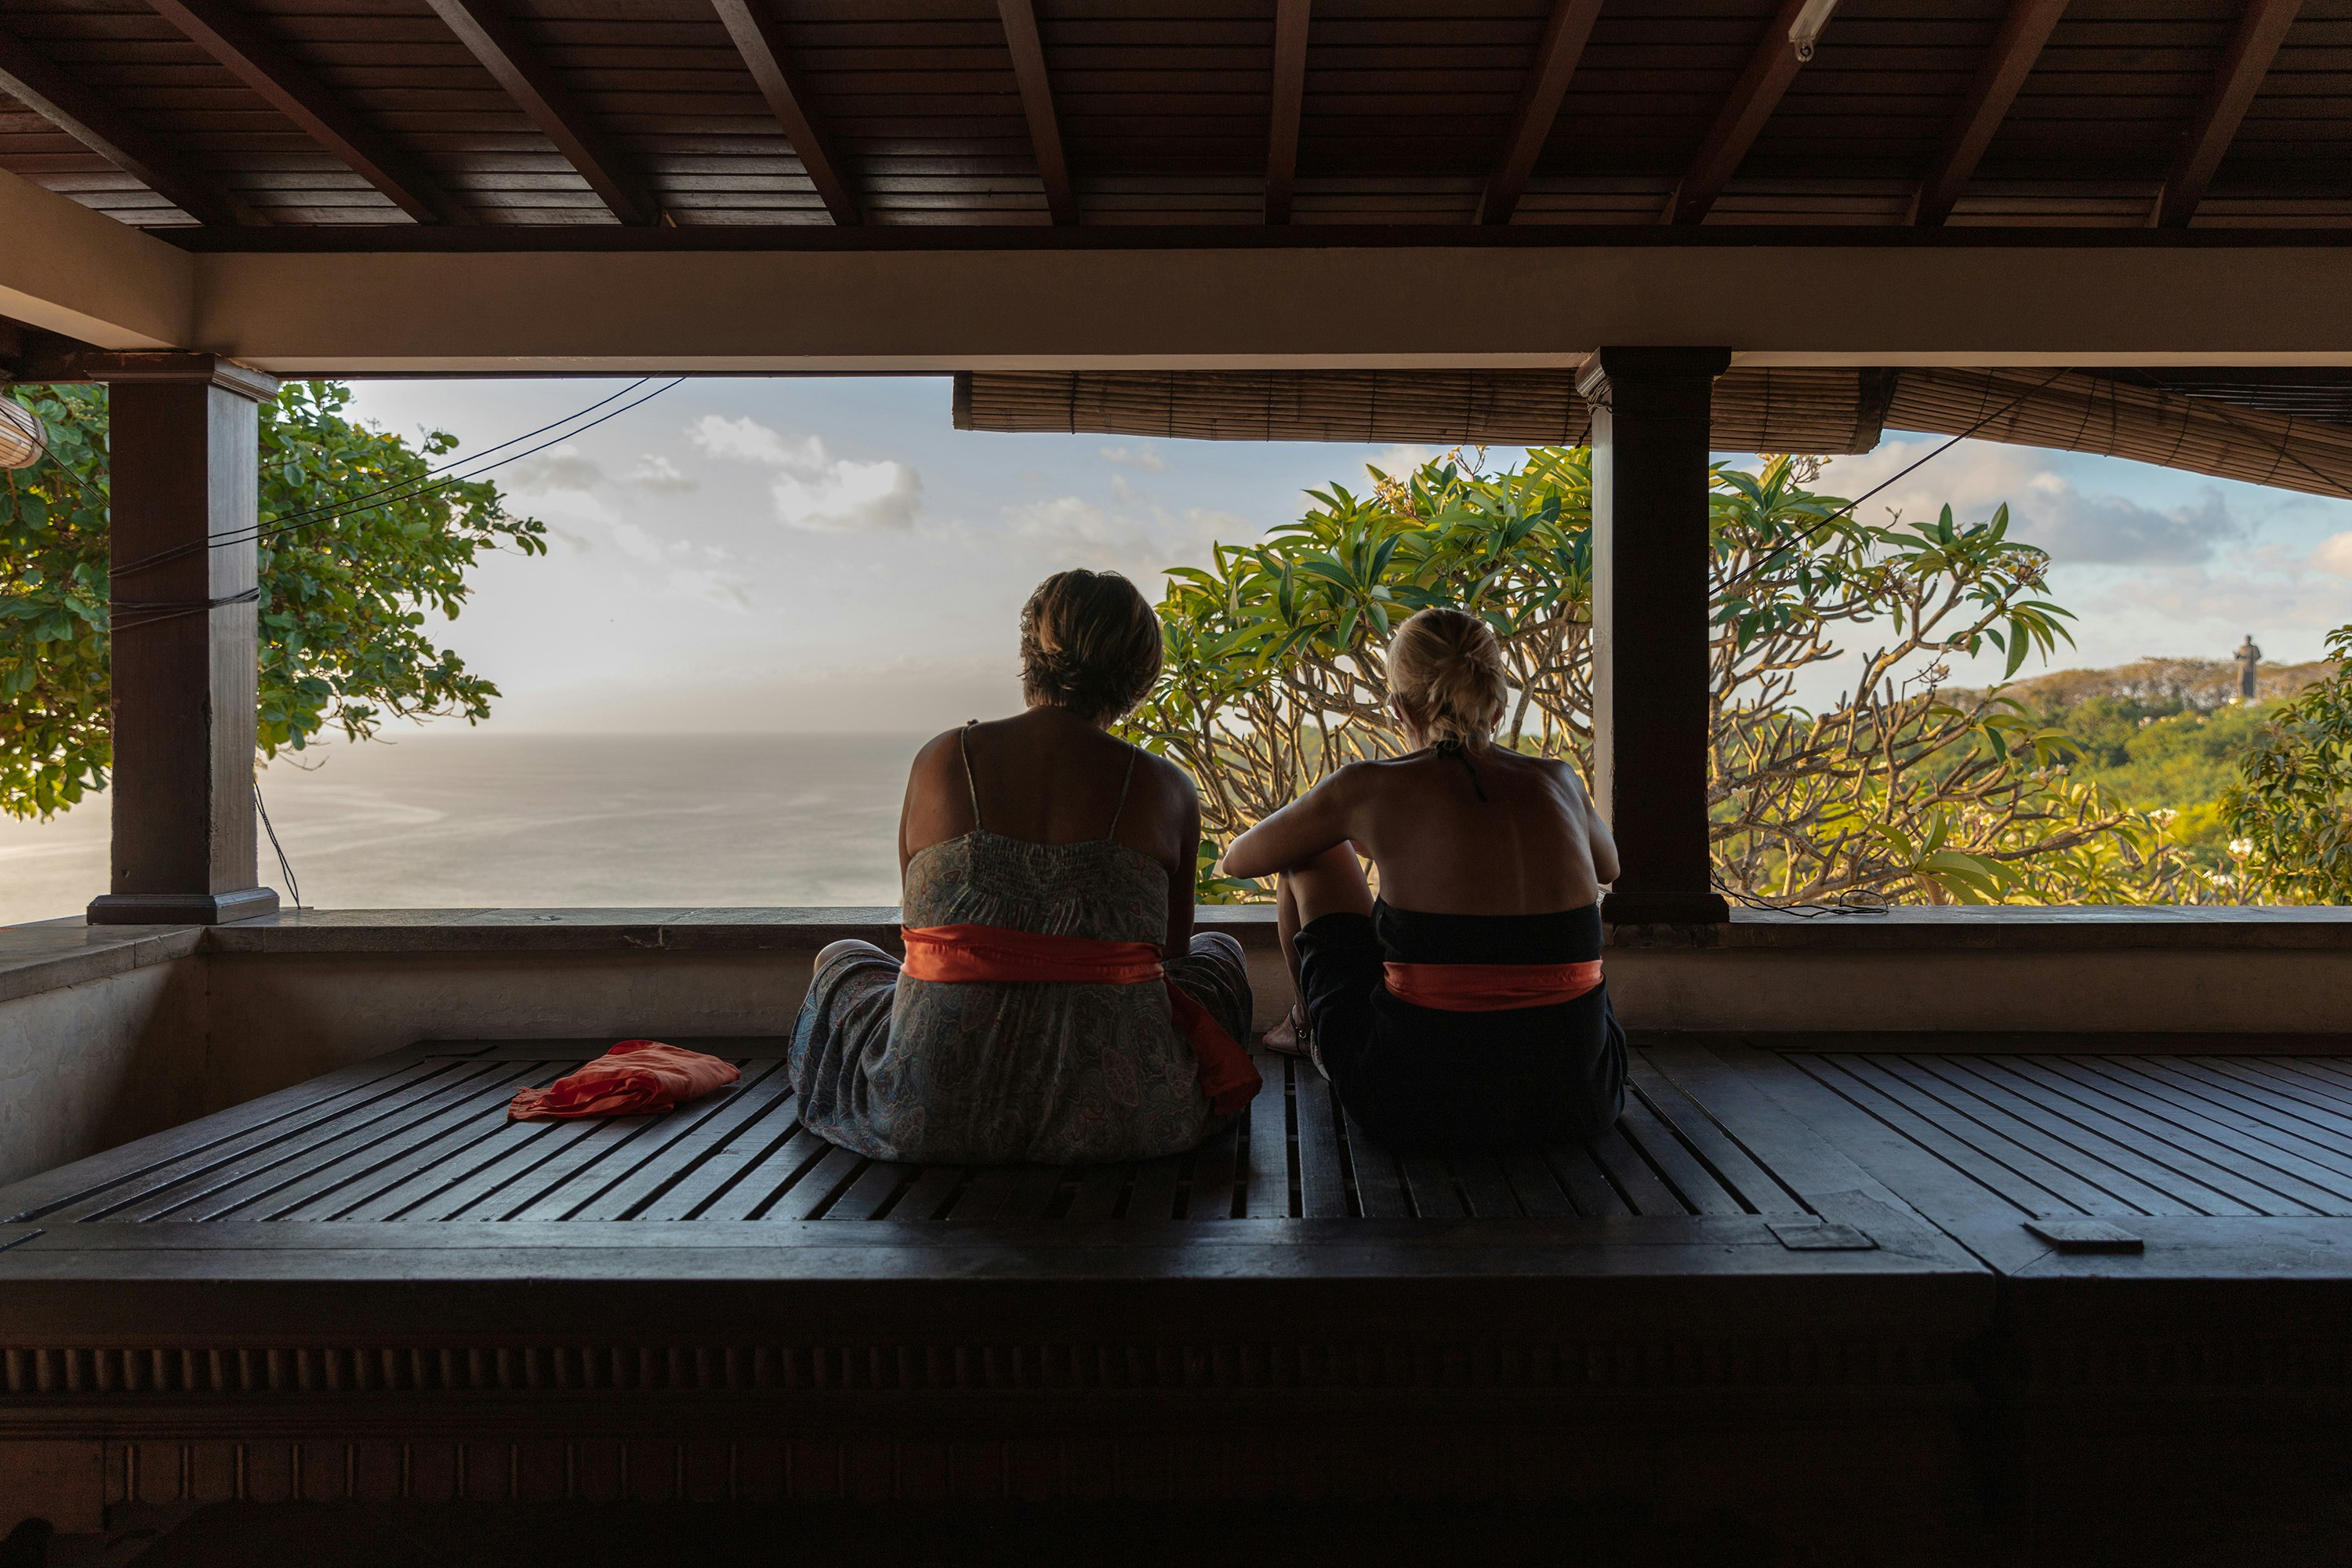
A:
x,y
422,486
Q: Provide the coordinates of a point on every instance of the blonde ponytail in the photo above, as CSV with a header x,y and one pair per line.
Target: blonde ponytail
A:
x,y
1446,667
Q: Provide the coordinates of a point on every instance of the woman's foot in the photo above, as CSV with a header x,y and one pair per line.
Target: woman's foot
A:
x,y
1291,1036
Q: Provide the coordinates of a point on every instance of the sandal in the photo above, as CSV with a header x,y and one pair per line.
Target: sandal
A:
x,y
1291,1037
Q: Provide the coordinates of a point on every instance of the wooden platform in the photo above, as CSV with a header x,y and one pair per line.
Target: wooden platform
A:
x,y
422,1136
1791,1258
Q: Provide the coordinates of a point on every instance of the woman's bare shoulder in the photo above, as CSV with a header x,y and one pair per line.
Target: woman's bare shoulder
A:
x,y
1167,775
1562,773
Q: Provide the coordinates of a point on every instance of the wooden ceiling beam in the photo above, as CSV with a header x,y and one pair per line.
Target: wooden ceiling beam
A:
x,y
2000,76
233,38
496,39
1741,119
2262,29
1556,58
1290,25
1028,50
752,26
48,91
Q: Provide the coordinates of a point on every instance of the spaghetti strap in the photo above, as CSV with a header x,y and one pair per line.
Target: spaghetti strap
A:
x,y
1112,832
971,782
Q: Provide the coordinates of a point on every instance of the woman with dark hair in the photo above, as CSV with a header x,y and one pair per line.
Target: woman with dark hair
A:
x,y
1464,1005
1055,1005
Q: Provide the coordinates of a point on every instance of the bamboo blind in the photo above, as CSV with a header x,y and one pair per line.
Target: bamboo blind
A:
x,y
1823,411
1755,410
2080,412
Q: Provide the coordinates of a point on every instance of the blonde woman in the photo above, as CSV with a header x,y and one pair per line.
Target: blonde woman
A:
x,y
1465,1005
1055,1005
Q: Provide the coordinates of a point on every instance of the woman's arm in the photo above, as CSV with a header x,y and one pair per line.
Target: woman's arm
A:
x,y
1325,815
1184,867
926,815
1602,843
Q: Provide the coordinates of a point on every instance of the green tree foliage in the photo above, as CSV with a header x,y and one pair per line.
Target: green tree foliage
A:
x,y
343,598
1276,676
2291,810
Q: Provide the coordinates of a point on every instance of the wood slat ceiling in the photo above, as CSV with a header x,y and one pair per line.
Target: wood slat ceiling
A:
x,y
1164,110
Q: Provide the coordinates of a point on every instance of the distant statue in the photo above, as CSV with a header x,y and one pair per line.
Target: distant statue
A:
x,y
2247,656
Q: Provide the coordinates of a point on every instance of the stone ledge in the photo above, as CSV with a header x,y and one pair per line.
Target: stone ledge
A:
x,y
52,955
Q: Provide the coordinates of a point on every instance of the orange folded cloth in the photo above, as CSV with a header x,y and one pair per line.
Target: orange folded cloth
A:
x,y
633,1078
962,952
1490,987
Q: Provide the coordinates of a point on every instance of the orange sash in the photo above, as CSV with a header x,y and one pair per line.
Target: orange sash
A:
x,y
1490,987
633,1078
962,953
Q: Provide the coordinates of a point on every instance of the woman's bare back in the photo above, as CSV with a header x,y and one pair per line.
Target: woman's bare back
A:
x,y
1048,777
1526,847
1533,844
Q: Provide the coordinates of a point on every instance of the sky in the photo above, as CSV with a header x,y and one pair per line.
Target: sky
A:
x,y
828,554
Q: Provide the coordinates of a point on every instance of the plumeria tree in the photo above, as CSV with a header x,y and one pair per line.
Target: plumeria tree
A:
x,y
360,543
1275,675
2290,814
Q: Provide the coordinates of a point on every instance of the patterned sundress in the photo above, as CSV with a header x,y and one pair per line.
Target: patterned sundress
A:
x,y
973,1073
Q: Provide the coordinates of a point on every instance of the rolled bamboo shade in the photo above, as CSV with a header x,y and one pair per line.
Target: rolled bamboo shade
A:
x,y
2262,431
22,438
2205,433
1755,410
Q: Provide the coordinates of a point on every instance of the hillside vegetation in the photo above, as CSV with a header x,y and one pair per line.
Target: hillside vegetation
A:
x,y
2165,735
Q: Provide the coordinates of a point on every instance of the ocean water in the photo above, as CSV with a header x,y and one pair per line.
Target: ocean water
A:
x,y
469,819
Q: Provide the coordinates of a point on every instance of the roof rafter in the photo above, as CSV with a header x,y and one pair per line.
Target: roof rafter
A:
x,y
1291,19
264,65
2023,31
1741,119
496,39
761,42
1556,58
48,91
2262,29
1037,102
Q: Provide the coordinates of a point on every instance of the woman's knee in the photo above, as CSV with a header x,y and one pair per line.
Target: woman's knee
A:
x,y
1331,883
845,948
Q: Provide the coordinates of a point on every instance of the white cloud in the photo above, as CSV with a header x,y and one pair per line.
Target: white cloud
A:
x,y
659,476
2334,555
1399,462
813,490
635,540
720,588
2204,603
556,468
2045,508
1142,457
1070,530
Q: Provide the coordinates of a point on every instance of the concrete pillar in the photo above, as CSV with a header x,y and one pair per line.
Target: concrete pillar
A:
x,y
183,450
1650,555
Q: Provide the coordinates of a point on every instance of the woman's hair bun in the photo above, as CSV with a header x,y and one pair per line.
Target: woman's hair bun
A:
x,y
1089,643
1446,668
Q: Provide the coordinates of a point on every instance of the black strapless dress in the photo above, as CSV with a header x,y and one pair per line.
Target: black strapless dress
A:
x,y
1421,1077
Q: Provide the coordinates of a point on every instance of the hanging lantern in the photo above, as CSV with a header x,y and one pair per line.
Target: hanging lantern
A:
x,y
22,439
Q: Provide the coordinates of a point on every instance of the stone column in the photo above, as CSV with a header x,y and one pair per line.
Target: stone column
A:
x,y
184,445
1650,552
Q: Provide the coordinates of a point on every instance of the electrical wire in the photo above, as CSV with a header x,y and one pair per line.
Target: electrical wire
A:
x,y
284,867
1850,906
1847,510
471,458
407,491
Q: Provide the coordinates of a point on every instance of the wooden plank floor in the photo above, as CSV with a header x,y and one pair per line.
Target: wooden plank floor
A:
x,y
422,1136
2115,1136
